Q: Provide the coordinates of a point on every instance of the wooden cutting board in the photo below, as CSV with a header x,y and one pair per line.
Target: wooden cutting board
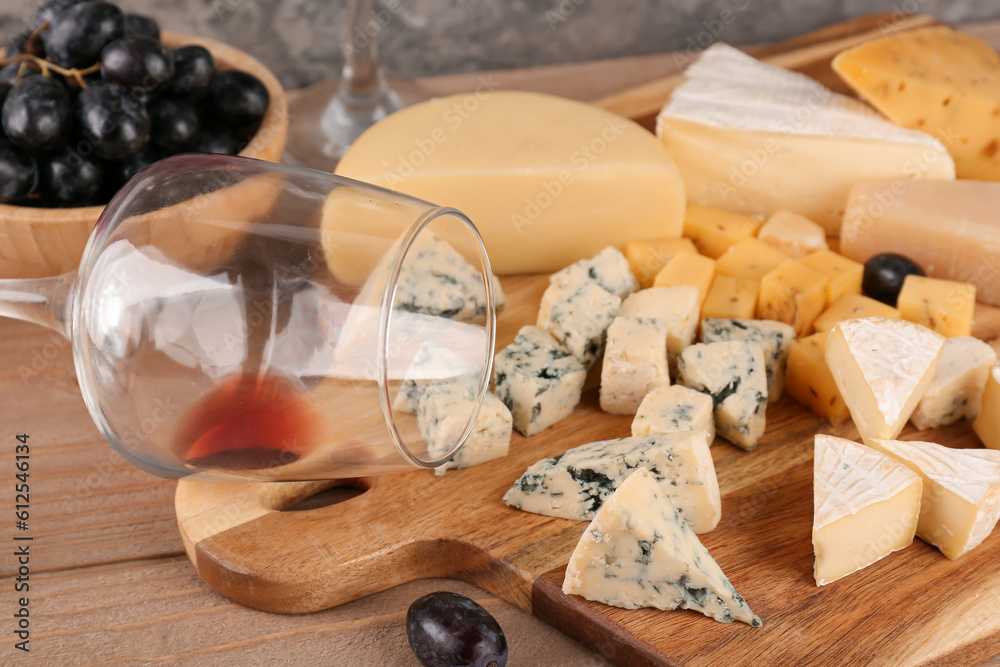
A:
x,y
255,544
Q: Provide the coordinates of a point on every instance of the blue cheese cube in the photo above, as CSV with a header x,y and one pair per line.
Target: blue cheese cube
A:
x,y
635,362
579,320
433,364
674,409
575,484
678,307
957,388
774,337
732,373
442,415
609,269
538,380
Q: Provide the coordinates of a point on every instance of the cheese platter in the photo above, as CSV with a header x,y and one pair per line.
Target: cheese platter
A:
x,y
913,608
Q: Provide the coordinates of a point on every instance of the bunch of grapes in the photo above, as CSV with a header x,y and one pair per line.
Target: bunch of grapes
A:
x,y
90,96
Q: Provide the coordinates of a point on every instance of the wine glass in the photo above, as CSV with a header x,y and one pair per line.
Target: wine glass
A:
x,y
234,319
326,118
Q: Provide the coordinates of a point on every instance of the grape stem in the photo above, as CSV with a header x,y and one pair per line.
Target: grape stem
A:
x,y
44,65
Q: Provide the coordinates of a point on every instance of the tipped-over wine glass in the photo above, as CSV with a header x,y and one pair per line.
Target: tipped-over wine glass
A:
x,y
245,320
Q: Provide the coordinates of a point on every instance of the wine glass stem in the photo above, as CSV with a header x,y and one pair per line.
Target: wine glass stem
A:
x,y
361,77
44,301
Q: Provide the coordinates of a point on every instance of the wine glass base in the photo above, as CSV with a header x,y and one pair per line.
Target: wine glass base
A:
x,y
318,137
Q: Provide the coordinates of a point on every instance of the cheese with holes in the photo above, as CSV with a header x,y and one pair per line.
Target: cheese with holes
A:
x,y
714,230
987,424
960,502
945,306
442,416
774,338
882,368
794,294
844,275
673,409
635,362
540,176
538,380
754,138
853,307
733,373
809,381
648,256
938,80
575,484
957,388
638,552
951,229
865,506
731,298
676,306
793,234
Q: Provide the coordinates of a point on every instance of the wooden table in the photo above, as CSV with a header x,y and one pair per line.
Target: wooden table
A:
x,y
109,580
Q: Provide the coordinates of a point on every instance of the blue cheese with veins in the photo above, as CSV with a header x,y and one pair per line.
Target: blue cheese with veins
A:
x,y
774,337
673,409
442,415
609,269
635,362
732,373
678,307
538,380
575,484
957,388
579,320
433,364
639,552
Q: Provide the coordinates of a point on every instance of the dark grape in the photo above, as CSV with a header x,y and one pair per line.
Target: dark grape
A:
x,y
117,124
18,173
137,62
69,179
38,114
174,123
884,276
450,630
216,139
79,34
50,9
237,98
137,24
193,69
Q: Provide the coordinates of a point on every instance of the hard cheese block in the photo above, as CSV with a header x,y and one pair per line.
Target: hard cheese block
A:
x,y
638,552
753,138
674,409
865,506
960,502
938,80
957,388
575,484
540,176
950,228
882,368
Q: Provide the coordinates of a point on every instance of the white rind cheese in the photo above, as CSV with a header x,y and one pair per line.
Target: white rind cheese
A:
x,y
635,362
960,502
775,339
576,484
957,388
733,374
678,307
538,380
865,506
638,552
675,409
579,318
882,368
442,415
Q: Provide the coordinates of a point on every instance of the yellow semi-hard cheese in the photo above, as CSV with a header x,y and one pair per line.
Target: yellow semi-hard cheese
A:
x,y
945,306
987,425
648,256
715,231
938,80
809,381
750,259
547,181
731,298
794,294
853,307
688,268
845,274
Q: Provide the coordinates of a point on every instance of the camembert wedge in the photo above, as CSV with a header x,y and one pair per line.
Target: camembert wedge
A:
x,y
639,552
865,506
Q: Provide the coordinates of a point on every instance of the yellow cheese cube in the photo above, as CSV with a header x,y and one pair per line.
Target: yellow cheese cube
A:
x,y
715,231
945,306
987,424
731,298
845,275
853,307
793,234
809,381
688,268
794,294
647,257
750,259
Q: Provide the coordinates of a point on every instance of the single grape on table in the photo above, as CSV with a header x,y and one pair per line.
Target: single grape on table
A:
x,y
449,630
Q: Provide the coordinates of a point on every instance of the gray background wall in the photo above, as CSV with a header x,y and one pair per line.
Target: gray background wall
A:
x,y
300,39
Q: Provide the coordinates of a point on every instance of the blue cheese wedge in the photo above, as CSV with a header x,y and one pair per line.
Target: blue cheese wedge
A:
x,y
957,388
775,339
538,380
608,269
732,373
433,364
579,319
678,307
674,409
442,416
635,362
576,484
639,552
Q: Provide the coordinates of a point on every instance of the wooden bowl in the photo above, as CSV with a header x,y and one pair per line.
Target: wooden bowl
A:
x,y
37,242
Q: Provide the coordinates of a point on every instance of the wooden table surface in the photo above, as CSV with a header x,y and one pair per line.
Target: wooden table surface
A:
x,y
109,582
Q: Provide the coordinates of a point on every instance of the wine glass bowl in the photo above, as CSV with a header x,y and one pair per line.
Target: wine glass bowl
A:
x,y
50,241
